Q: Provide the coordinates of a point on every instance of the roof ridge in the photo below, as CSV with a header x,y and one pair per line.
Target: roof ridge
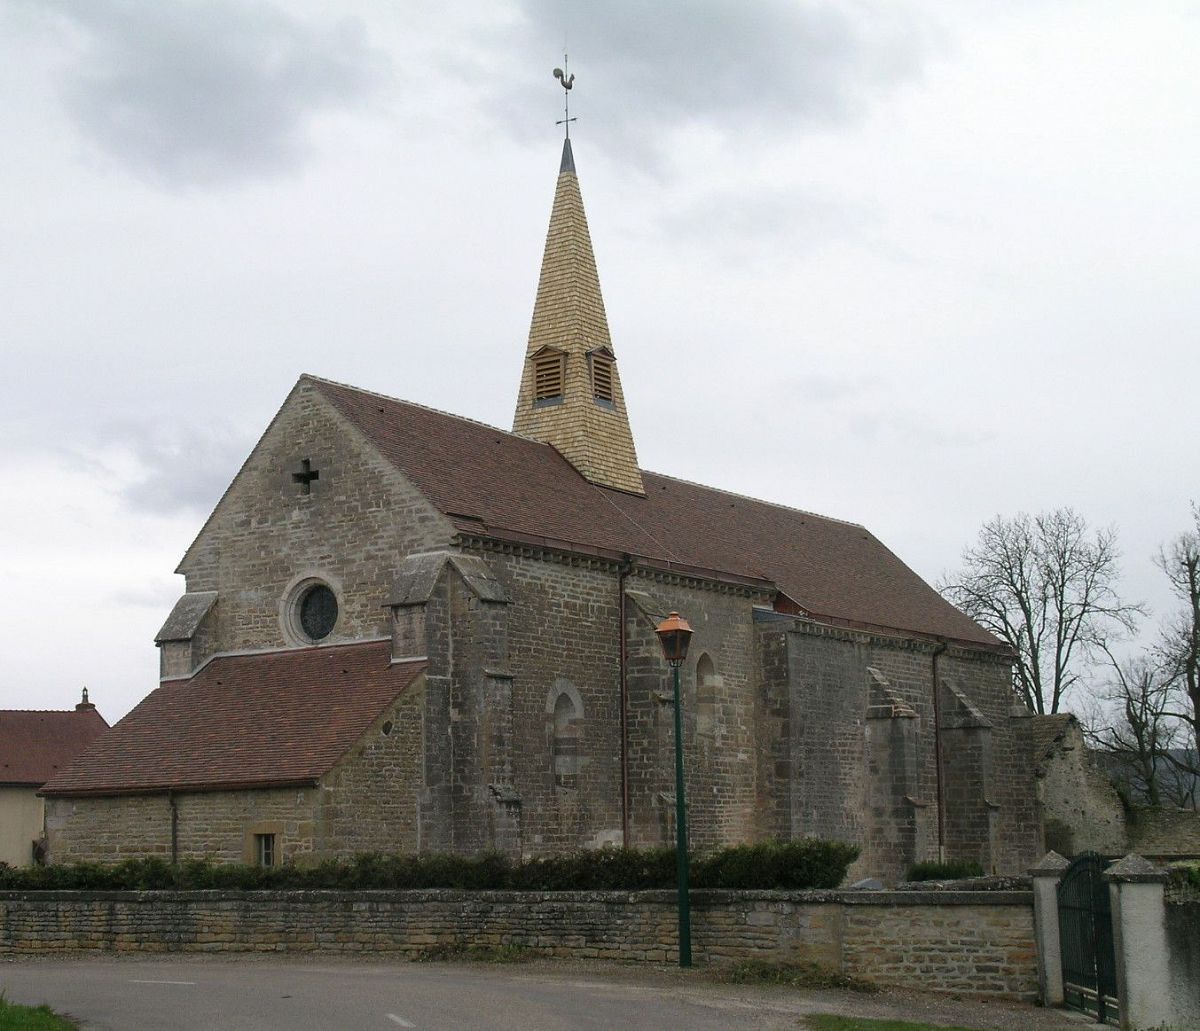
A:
x,y
759,501
531,440
50,712
424,408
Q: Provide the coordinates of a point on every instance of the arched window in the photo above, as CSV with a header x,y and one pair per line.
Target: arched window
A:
x,y
565,747
707,682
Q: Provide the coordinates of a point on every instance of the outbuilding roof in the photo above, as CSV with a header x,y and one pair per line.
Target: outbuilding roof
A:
x,y
498,484
270,719
35,744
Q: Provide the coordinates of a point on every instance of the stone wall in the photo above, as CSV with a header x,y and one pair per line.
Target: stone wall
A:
x,y
858,713
1081,810
1164,832
563,648
1183,951
267,535
955,942
721,730
216,825
369,802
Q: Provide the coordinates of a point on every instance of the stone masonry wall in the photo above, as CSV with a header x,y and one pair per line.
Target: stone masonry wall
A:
x,y
1081,810
358,520
1182,920
986,680
1164,832
945,941
873,781
562,637
369,801
212,825
721,733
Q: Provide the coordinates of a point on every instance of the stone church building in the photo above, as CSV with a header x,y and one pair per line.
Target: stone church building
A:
x,y
405,631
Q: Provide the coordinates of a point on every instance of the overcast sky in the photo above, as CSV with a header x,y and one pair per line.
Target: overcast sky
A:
x,y
911,265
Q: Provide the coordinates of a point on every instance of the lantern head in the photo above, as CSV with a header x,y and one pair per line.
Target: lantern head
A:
x,y
674,635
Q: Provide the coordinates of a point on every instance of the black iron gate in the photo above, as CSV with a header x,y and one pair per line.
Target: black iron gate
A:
x,y
1085,930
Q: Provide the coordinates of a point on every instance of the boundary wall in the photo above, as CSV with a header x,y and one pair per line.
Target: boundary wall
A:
x,y
966,942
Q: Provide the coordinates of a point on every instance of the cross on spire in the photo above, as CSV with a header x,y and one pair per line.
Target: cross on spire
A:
x,y
305,476
567,81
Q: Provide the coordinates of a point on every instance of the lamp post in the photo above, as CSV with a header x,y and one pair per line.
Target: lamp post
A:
x,y
674,635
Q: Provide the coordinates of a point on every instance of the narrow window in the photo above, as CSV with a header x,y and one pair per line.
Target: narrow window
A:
x,y
264,849
706,697
602,375
566,740
548,375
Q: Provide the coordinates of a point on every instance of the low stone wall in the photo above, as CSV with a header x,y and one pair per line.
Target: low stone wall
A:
x,y
972,943
1164,833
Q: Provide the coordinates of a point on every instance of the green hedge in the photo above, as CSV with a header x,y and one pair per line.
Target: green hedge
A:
x,y
793,864
955,870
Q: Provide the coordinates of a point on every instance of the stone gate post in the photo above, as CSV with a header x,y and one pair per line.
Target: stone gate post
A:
x,y
1140,943
1046,876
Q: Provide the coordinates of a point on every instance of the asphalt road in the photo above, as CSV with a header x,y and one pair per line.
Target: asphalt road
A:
x,y
297,994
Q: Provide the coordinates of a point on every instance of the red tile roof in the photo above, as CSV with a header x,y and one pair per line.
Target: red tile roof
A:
x,y
262,720
36,744
498,484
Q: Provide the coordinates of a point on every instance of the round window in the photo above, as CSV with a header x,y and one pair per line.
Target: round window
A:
x,y
318,612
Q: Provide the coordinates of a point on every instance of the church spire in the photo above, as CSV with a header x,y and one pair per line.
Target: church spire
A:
x,y
570,393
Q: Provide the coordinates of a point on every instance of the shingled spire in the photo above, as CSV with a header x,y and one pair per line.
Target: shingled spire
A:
x,y
570,388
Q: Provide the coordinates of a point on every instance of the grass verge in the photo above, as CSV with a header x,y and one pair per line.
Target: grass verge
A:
x,y
791,975
14,1017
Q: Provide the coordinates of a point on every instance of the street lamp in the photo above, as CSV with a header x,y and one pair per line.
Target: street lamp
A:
x,y
674,635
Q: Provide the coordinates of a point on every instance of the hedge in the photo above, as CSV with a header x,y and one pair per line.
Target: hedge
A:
x,y
955,870
772,864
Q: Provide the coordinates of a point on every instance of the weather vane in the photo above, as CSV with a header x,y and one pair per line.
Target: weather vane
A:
x,y
567,82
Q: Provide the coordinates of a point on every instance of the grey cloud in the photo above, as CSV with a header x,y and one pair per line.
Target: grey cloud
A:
x,y
912,430
183,468
734,217
818,388
208,91
772,64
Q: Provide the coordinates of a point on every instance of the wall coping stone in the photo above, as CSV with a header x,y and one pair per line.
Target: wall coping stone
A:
x,y
1133,869
699,897
1050,865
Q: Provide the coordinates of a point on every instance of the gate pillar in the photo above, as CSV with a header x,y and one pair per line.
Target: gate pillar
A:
x,y
1140,942
1045,927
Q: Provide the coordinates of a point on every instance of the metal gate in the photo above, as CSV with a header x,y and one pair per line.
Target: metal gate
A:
x,y
1085,930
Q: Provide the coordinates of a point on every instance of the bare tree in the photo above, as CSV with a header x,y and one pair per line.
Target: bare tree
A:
x,y
1046,585
1135,728
1179,642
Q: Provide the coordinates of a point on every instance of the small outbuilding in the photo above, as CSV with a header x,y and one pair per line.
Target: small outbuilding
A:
x,y
34,745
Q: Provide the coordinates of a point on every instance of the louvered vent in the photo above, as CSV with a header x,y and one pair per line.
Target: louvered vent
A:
x,y
548,374
602,377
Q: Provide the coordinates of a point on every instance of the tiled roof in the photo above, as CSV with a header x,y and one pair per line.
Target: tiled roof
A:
x,y
36,744
258,720
500,484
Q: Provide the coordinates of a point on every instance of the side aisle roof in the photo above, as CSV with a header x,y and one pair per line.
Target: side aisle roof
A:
x,y
259,720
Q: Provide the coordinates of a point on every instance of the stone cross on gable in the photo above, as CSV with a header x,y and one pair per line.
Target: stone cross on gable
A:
x,y
305,476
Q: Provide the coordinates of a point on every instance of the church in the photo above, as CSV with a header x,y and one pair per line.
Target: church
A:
x,y
404,630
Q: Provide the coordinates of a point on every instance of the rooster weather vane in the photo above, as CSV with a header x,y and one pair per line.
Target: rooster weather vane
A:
x,y
567,81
